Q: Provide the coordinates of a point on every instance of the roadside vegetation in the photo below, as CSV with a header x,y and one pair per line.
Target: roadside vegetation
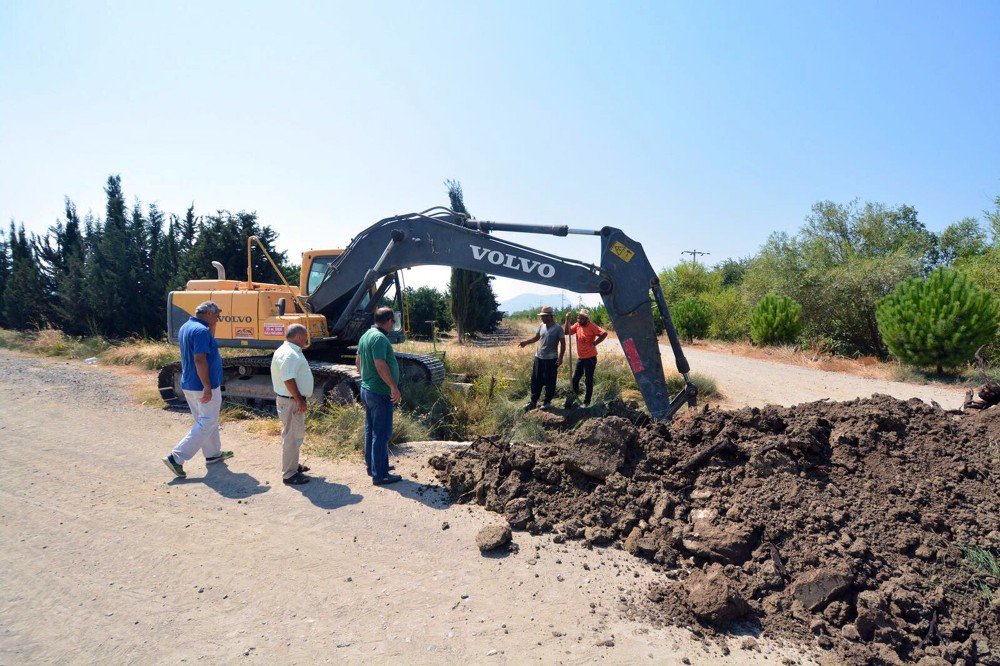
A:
x,y
487,396
821,290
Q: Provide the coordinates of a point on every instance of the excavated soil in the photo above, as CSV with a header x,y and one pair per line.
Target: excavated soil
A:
x,y
848,525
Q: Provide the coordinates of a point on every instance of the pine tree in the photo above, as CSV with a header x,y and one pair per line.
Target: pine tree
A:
x,y
26,302
474,305
938,321
776,320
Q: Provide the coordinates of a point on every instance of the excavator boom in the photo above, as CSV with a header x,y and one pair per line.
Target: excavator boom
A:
x,y
624,279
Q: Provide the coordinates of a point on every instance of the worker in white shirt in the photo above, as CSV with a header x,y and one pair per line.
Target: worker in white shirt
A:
x,y
293,382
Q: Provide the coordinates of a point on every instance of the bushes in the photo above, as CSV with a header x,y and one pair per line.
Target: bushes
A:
x,y
775,320
692,317
729,316
939,321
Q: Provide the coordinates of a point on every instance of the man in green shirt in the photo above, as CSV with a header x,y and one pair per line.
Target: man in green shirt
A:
x,y
379,371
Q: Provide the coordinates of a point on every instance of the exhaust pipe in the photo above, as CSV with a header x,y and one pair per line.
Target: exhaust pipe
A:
x,y
220,270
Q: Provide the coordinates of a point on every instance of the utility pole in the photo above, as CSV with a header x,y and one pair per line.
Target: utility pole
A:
x,y
694,255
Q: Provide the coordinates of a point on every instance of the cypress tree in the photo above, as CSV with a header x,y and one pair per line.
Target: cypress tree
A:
x,y
188,230
223,238
61,253
25,298
111,287
4,273
474,306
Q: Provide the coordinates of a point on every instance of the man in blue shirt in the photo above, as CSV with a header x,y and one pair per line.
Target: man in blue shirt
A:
x,y
201,381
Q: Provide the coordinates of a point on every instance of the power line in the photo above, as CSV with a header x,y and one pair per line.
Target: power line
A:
x,y
694,255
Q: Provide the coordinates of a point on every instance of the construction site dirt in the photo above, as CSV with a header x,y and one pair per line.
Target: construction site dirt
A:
x,y
866,529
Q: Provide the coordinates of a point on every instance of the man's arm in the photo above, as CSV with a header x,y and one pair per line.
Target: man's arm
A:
x,y
562,350
601,337
293,390
386,374
201,365
357,363
530,341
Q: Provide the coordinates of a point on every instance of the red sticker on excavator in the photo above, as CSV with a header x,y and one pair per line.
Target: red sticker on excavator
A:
x,y
632,354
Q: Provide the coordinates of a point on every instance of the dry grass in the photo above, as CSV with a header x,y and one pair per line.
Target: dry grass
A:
x,y
50,342
147,354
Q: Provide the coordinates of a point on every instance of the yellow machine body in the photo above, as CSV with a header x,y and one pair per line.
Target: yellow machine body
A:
x,y
251,312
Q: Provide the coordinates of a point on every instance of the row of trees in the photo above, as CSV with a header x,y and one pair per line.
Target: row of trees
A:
x,y
835,270
111,275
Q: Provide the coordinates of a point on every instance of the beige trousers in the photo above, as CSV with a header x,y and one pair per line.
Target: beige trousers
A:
x,y
293,431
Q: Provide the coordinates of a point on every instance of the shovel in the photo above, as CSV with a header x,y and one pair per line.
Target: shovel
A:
x,y
571,398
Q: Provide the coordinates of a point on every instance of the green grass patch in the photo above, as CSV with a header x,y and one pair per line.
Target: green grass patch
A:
x,y
985,569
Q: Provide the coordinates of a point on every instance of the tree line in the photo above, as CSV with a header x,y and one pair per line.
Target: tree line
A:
x,y
110,275
834,273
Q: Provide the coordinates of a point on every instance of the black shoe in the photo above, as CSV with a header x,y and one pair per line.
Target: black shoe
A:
x,y
530,406
388,478
303,469
296,479
546,406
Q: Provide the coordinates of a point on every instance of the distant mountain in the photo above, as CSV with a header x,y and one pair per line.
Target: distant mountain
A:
x,y
527,301
535,301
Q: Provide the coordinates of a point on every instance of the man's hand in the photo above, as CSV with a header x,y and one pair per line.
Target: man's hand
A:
x,y
522,344
206,396
395,395
558,362
300,405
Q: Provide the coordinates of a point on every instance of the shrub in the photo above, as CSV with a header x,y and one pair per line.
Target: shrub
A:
x,y
939,321
692,318
775,320
730,316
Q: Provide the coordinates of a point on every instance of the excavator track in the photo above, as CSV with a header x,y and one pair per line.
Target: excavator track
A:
x,y
247,379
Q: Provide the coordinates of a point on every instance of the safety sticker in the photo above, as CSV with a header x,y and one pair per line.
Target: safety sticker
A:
x,y
632,354
622,252
274,329
243,332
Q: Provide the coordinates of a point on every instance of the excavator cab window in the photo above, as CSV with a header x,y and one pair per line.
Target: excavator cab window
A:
x,y
317,271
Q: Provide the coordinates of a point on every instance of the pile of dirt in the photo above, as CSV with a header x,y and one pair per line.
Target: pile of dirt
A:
x,y
866,527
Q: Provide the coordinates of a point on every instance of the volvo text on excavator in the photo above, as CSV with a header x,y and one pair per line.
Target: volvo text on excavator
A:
x,y
340,290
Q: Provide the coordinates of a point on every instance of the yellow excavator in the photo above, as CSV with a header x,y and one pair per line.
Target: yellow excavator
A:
x,y
340,290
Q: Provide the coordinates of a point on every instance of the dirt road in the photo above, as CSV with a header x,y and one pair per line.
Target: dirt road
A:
x,y
749,381
106,559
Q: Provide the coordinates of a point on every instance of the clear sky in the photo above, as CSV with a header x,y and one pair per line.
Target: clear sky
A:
x,y
690,125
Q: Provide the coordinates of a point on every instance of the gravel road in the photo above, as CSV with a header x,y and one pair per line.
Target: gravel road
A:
x,y
106,558
755,382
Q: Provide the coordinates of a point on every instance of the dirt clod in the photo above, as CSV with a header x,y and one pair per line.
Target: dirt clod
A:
x,y
493,537
714,598
845,525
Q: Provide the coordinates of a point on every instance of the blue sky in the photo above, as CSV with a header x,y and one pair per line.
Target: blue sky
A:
x,y
690,125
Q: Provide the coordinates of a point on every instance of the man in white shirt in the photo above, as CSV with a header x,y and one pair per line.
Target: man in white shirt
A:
x,y
292,380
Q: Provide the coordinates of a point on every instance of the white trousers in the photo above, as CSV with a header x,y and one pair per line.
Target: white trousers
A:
x,y
204,434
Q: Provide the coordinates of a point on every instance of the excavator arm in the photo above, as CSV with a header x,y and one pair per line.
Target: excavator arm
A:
x,y
624,279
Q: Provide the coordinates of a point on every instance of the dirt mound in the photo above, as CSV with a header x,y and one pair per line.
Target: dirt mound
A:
x,y
865,526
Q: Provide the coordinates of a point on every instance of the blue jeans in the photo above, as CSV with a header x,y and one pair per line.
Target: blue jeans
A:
x,y
378,432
